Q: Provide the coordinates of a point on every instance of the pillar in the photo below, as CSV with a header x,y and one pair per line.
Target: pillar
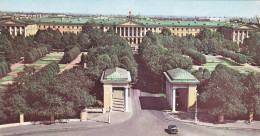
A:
x,y
173,100
116,29
234,38
132,31
10,30
144,31
247,34
243,36
126,99
120,31
124,32
136,32
107,100
141,30
20,30
128,32
21,118
24,31
83,115
15,33
237,35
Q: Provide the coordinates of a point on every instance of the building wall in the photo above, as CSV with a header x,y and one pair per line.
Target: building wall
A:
x,y
31,30
107,97
191,97
62,27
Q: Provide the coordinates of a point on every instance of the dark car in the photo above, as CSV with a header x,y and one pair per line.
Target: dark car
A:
x,y
172,129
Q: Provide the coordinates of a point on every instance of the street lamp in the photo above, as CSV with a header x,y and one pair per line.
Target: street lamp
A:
x,y
196,108
109,120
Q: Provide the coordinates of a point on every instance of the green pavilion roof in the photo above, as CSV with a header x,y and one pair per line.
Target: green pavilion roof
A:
x,y
180,76
116,75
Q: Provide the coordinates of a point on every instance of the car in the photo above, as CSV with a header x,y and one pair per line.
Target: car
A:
x,y
172,129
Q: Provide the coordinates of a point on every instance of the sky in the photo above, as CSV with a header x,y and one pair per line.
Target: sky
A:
x,y
191,8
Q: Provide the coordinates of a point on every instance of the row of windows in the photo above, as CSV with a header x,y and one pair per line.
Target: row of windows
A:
x,y
73,27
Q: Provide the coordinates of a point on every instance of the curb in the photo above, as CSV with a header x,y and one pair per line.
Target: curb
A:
x,y
192,123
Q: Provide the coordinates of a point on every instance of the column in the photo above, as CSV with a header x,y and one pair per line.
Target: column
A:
x,y
10,30
21,118
234,38
242,36
124,32
144,31
136,32
128,32
15,33
126,99
173,99
119,31
132,31
247,34
24,31
20,30
116,29
141,30
237,35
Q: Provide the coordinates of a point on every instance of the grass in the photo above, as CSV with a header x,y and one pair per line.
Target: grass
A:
x,y
7,78
18,69
42,62
52,56
62,66
161,95
211,65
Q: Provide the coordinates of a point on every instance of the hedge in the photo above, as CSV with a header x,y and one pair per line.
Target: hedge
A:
x,y
35,54
70,55
239,58
197,57
47,72
4,68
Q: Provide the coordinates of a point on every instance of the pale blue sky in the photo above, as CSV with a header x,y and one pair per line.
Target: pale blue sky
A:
x,y
213,8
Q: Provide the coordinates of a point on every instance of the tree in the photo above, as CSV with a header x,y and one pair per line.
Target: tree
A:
x,y
166,31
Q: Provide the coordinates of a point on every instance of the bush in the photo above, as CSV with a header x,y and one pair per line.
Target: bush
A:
x,y
4,68
70,55
239,58
35,54
197,57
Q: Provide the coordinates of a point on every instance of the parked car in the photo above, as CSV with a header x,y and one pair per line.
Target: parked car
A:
x,y
172,129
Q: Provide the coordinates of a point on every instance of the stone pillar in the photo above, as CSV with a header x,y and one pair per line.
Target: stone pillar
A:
x,y
24,31
242,36
21,118
144,31
247,34
20,30
132,31
124,32
237,35
83,115
173,100
136,32
234,38
126,99
128,32
15,33
141,30
119,31
10,30
116,29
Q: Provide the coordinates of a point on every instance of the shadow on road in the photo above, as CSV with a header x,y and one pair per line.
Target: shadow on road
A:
x,y
152,103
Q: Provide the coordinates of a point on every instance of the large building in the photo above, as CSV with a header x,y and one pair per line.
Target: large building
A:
x,y
133,30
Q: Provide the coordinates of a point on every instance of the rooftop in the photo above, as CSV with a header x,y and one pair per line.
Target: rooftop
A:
x,y
116,75
180,76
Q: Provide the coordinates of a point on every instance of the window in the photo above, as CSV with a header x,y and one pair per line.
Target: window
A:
x,y
63,27
43,26
72,27
186,28
172,28
182,29
177,28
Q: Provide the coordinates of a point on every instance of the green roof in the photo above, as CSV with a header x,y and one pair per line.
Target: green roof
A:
x,y
180,76
109,21
116,74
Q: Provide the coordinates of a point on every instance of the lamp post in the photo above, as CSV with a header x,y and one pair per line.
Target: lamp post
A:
x,y
109,120
196,108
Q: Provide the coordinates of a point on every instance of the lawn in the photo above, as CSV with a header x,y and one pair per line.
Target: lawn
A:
x,y
42,62
7,78
212,62
18,69
62,66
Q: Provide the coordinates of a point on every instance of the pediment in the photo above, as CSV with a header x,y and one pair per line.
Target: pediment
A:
x,y
11,22
245,27
130,23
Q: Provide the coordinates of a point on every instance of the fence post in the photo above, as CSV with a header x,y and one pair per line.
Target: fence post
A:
x,y
83,115
21,118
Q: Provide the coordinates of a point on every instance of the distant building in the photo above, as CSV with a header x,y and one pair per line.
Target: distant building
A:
x,y
133,30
